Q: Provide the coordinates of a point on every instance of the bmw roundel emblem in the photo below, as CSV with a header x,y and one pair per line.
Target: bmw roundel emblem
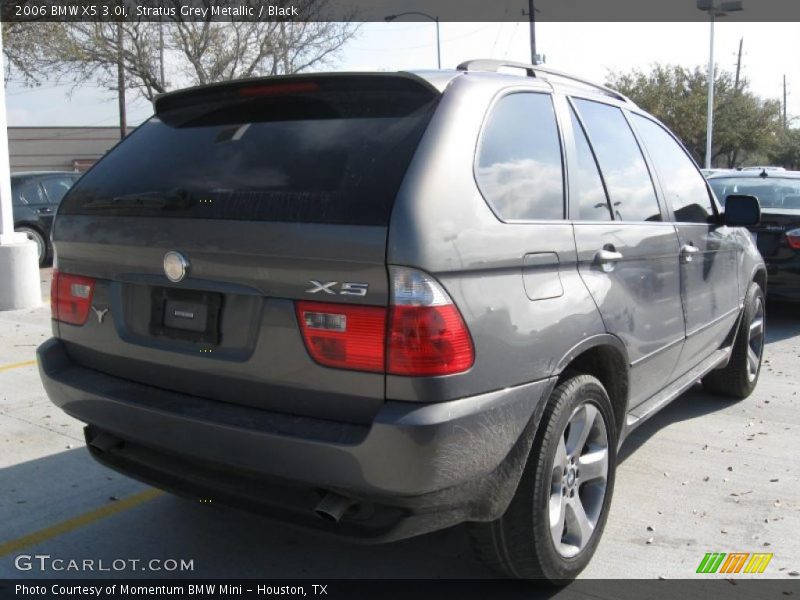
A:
x,y
176,266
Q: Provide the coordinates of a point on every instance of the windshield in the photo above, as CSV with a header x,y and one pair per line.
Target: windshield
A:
x,y
772,192
334,156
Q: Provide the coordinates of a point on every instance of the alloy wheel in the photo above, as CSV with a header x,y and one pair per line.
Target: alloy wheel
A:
x,y
755,341
579,480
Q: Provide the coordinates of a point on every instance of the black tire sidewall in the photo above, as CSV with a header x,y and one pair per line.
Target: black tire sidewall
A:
x,y
754,293
581,389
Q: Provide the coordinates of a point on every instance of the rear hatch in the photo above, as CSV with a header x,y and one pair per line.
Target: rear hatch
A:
x,y
771,233
779,197
272,191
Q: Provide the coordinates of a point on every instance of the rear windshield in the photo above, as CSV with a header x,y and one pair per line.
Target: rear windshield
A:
x,y
317,153
772,192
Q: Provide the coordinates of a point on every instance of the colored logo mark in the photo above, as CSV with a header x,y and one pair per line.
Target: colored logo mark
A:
x,y
734,562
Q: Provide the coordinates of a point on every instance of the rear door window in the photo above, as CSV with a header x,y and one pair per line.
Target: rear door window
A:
x,y
630,188
28,192
519,166
588,186
329,152
683,184
56,188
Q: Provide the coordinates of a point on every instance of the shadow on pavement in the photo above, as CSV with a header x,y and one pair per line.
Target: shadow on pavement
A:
x,y
783,321
691,405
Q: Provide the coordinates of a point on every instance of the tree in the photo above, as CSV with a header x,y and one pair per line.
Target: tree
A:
x,y
744,124
786,152
199,51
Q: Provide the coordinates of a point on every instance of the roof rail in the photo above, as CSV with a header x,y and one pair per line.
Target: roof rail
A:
x,y
494,65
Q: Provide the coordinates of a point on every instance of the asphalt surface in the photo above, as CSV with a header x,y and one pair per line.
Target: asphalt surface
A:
x,y
704,475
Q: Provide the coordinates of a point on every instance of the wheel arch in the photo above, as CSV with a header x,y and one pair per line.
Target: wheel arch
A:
x,y
759,276
604,356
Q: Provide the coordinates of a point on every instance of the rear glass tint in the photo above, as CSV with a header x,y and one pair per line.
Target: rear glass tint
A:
x,y
334,152
772,192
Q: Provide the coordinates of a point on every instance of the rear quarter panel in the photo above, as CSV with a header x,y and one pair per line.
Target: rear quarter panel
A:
x,y
442,224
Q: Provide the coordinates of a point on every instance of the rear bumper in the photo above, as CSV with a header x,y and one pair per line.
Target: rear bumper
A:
x,y
452,461
784,279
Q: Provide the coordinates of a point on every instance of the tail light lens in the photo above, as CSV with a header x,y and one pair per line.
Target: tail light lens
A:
x,y
421,334
343,335
427,336
71,297
793,238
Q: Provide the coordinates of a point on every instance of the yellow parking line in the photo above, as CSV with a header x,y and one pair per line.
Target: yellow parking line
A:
x,y
88,518
26,363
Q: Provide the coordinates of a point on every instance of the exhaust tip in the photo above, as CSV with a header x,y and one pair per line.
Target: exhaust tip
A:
x,y
333,507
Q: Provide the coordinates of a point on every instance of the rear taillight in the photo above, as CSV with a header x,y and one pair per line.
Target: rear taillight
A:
x,y
421,334
71,297
427,336
793,238
343,335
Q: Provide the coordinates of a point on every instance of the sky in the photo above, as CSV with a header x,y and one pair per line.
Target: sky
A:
x,y
591,50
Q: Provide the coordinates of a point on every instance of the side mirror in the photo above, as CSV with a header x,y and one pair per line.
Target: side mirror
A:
x,y
742,211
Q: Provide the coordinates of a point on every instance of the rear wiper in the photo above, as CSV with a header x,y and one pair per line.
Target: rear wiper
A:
x,y
175,200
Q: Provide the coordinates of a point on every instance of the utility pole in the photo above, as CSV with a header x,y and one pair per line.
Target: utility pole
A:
x,y
123,126
532,23
738,65
785,122
536,59
161,53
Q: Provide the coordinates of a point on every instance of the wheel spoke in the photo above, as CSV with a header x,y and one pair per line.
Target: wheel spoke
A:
x,y
557,515
593,465
752,360
561,457
580,528
580,425
756,328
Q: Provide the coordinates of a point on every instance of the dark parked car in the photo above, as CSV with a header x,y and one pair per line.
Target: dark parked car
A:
x,y
778,234
384,304
35,198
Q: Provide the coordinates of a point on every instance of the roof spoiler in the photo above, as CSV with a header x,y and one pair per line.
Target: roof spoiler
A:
x,y
289,85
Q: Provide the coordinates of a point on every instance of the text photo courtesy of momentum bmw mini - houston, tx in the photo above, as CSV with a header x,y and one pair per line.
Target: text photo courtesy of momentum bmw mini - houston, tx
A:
x,y
404,299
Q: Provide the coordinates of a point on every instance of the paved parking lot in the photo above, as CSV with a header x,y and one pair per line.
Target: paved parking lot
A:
x,y
705,475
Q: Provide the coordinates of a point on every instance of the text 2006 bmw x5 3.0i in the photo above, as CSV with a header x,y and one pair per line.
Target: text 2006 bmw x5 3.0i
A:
x,y
384,304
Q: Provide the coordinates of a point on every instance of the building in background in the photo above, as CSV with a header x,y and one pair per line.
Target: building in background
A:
x,y
58,148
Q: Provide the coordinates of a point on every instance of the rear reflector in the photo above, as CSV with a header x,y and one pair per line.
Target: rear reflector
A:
x,y
71,297
793,238
343,335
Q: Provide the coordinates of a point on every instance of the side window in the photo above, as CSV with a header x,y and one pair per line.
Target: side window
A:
x,y
589,190
630,188
683,185
56,188
519,169
28,192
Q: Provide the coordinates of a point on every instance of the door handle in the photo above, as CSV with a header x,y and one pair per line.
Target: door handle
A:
x,y
607,259
687,253
44,211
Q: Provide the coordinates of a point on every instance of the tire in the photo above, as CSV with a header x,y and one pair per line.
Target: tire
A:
x,y
38,239
739,378
520,543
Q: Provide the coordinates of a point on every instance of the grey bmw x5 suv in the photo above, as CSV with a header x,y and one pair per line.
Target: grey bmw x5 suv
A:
x,y
384,304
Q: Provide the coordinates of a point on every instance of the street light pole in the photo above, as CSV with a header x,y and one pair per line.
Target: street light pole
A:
x,y
438,46
435,19
714,11
710,113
